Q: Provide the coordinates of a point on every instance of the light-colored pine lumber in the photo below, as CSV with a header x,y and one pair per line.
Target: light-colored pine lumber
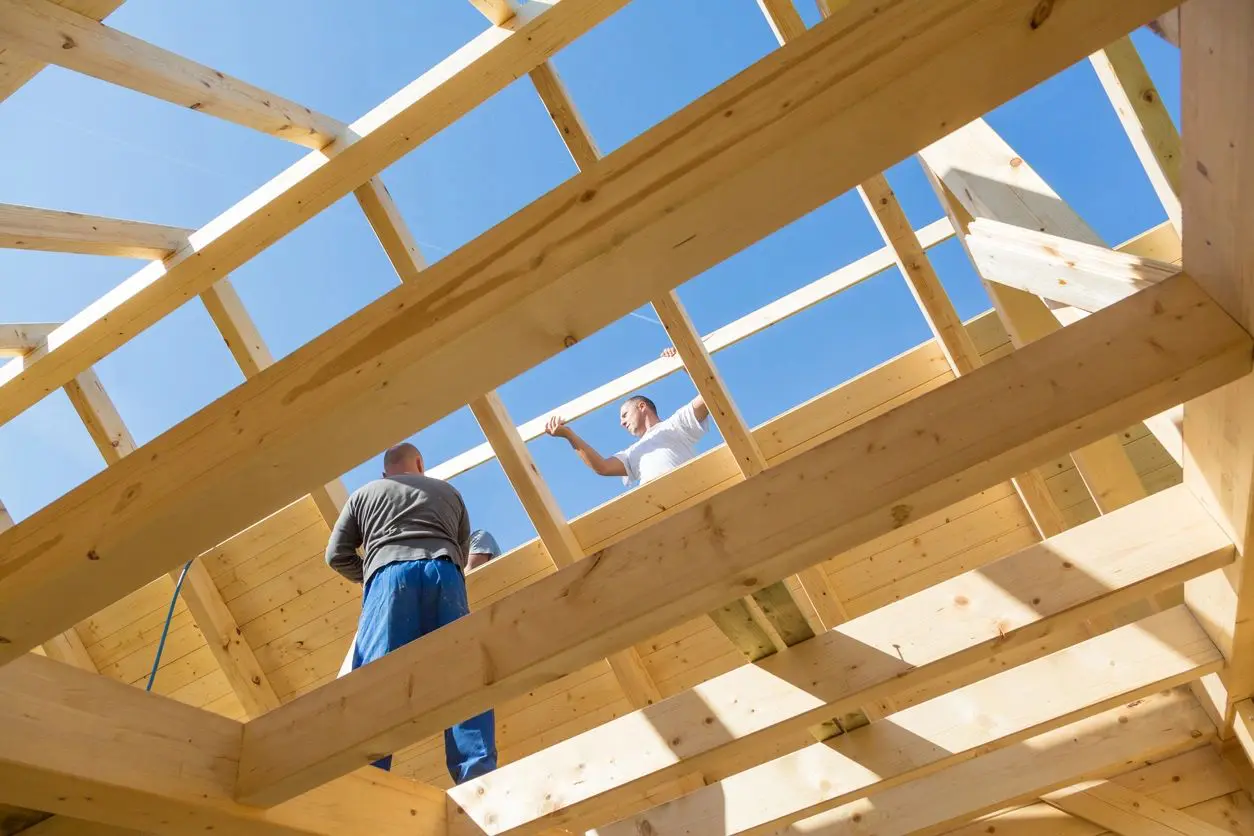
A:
x,y
96,410
17,340
496,11
976,176
992,429
52,34
1150,728
1144,118
1161,652
91,748
16,69
1218,176
1127,812
27,228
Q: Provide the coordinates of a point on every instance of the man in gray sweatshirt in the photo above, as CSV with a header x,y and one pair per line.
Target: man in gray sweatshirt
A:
x,y
415,533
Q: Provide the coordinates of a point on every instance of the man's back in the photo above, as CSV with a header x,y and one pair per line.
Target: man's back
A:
x,y
404,517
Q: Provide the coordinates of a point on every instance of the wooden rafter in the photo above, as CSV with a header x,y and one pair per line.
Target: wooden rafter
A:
x,y
569,784
27,228
16,69
646,586
20,339
1125,811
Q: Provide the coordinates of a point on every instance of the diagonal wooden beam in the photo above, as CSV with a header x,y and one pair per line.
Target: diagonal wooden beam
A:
x,y
1074,273
1160,652
1126,811
975,432
16,69
547,274
27,228
758,708
53,34
1218,175
976,176
1148,729
20,339
1144,118
89,747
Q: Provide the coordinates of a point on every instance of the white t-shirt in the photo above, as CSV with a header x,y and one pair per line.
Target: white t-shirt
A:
x,y
665,446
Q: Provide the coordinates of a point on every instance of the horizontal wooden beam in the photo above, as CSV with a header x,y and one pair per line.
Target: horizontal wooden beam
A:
x,y
671,205
1126,811
1074,273
20,339
48,230
975,432
1160,652
1151,728
91,748
16,69
496,11
948,635
54,34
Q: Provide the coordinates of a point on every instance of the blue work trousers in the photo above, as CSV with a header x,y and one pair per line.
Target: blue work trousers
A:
x,y
405,601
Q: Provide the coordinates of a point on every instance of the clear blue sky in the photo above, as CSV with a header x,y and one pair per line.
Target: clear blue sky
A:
x,y
71,142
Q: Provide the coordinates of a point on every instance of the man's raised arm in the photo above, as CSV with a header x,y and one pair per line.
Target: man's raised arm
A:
x,y
600,465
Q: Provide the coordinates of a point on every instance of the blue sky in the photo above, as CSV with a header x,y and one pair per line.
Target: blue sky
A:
x,y
74,143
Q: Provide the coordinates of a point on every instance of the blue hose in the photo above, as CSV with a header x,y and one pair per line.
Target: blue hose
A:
x,y
165,630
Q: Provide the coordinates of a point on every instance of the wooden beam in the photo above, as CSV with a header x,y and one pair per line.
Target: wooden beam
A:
x,y
977,175
26,228
730,334
1218,173
1144,118
19,339
203,598
1151,728
571,783
575,134
16,69
496,11
946,326
53,34
247,454
88,747
555,533
1073,273
975,432
1167,26
1124,811
785,22
1158,653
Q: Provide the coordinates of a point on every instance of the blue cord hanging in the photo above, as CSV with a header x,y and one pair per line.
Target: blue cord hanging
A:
x,y
165,630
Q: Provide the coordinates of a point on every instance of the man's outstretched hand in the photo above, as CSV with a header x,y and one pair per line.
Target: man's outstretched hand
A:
x,y
557,428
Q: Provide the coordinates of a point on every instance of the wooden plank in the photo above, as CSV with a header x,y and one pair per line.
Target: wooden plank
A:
x,y
496,11
428,105
1144,118
1127,812
977,175
390,228
575,134
237,328
1150,728
575,780
91,748
1218,171
786,24
96,410
328,396
53,34
68,648
1082,275
945,324
16,69
17,340
1080,681
555,533
27,228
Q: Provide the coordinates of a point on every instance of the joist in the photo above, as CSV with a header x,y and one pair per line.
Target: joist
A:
x,y
429,104
1218,173
977,176
16,68
203,598
975,432
52,34
91,748
1125,811
1147,729
28,228
496,11
553,529
1161,652
20,339
941,634
1144,118
1073,273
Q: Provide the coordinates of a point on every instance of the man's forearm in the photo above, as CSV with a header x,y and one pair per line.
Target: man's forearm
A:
x,y
584,450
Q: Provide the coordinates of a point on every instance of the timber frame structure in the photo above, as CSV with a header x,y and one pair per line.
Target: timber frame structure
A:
x,y
995,585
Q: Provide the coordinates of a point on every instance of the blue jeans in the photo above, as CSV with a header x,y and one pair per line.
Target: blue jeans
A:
x,y
405,601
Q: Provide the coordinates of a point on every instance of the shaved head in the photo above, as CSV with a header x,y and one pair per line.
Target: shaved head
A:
x,y
402,459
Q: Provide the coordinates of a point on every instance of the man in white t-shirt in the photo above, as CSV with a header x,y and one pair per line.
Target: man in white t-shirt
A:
x,y
661,445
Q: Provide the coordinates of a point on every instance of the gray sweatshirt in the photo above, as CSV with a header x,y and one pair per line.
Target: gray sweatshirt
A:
x,y
399,518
